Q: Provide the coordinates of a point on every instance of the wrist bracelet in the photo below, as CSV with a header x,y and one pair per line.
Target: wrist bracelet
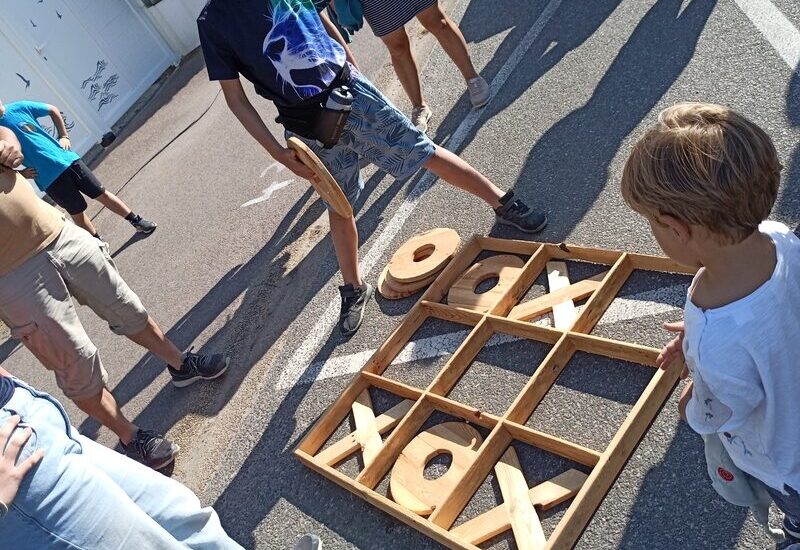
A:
x,y
3,509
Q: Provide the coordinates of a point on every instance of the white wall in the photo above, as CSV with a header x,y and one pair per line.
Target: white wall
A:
x,y
176,20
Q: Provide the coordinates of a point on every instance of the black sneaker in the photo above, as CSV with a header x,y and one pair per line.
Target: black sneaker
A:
x,y
142,225
517,214
791,527
354,301
198,367
151,449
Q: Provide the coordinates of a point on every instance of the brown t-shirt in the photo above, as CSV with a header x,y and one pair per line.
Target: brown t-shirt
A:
x,y
27,223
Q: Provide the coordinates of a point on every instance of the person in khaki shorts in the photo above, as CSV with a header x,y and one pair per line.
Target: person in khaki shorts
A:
x,y
44,263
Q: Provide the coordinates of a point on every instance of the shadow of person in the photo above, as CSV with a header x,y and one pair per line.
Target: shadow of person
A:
x,y
787,207
571,160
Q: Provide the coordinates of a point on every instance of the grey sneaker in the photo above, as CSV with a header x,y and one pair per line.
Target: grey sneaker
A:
x,y
791,527
517,214
479,92
420,117
198,367
354,302
309,542
151,449
142,225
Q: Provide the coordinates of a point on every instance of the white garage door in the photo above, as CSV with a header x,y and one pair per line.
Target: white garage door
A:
x,y
97,57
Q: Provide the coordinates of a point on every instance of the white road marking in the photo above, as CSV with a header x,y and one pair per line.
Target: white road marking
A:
x,y
267,193
776,28
300,359
643,304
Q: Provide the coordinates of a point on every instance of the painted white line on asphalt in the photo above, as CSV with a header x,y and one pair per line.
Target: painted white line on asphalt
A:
x,y
776,28
643,304
267,193
299,361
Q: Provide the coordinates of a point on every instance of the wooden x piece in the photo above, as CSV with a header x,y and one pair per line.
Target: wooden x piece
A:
x,y
367,435
498,520
541,305
564,313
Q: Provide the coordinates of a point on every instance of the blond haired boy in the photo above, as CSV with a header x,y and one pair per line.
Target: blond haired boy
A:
x,y
706,179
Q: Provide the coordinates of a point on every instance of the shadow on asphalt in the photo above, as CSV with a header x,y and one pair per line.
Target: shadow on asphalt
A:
x,y
788,204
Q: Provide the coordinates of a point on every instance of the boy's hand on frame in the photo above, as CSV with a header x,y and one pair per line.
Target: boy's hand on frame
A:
x,y
65,143
11,473
674,349
290,160
29,173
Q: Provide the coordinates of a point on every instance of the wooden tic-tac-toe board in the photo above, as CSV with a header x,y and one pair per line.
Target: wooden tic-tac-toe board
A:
x,y
432,506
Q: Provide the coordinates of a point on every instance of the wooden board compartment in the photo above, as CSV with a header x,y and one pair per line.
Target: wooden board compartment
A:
x,y
584,494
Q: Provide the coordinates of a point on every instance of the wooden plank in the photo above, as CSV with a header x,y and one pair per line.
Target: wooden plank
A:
x,y
624,351
541,305
508,246
647,262
408,427
506,268
462,260
604,295
346,446
461,359
386,353
452,314
556,445
525,524
614,458
497,520
366,429
566,251
488,455
387,505
517,290
539,333
466,412
564,313
393,386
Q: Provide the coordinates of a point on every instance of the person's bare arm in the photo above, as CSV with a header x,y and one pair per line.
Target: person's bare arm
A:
x,y
10,150
334,33
241,107
61,126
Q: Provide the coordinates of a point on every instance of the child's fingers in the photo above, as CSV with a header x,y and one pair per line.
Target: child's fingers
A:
x,y
7,430
31,461
674,327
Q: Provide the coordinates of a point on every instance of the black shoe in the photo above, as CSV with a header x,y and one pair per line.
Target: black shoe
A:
x,y
517,214
198,367
142,225
151,449
354,301
792,528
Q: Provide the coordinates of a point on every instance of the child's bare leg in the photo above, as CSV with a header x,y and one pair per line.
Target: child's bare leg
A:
x,y
82,220
114,203
105,409
449,36
455,171
345,241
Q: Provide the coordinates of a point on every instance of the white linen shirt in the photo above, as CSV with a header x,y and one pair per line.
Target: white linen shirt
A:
x,y
743,360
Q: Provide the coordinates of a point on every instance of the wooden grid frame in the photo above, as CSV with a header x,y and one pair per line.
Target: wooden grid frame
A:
x,y
407,418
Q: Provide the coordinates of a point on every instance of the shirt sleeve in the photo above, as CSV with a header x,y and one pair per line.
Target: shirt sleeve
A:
x,y
221,62
36,109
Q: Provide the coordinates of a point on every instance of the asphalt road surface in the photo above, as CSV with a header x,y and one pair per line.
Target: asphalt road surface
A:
x,y
242,261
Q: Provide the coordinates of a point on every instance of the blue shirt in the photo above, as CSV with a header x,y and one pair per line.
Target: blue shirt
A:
x,y
281,46
41,150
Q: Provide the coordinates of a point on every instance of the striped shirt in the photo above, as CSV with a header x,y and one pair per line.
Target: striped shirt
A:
x,y
386,16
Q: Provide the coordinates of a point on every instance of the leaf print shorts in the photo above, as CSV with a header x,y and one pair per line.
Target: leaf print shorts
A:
x,y
377,132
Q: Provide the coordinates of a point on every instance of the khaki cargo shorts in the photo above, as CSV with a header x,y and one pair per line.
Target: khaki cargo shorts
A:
x,y
36,304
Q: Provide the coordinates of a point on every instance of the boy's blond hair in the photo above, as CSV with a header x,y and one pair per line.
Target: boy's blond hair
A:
x,y
705,165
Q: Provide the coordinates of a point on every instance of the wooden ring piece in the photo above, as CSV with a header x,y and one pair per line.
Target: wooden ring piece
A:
x,y
408,485
505,267
392,290
325,186
410,263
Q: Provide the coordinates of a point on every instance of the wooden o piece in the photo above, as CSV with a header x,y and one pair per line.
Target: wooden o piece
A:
x,y
505,267
408,485
392,290
325,186
440,244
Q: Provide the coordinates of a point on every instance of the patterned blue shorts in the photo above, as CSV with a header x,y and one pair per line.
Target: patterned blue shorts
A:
x,y
378,132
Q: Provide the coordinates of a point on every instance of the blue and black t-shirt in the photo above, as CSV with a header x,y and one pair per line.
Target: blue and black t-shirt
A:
x,y
281,46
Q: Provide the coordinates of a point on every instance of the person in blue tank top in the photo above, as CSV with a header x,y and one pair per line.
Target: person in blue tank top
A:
x,y
59,171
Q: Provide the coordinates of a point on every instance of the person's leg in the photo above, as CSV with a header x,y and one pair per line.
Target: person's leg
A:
x,y
65,193
344,235
457,172
449,36
152,338
113,203
405,65
789,504
83,221
104,408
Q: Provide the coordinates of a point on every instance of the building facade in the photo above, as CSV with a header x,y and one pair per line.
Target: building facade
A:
x,y
91,58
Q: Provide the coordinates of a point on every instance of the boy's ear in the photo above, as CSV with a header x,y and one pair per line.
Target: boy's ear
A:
x,y
679,228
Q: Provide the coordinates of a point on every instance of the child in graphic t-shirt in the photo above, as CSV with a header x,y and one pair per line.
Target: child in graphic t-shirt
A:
x,y
57,170
285,49
706,179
